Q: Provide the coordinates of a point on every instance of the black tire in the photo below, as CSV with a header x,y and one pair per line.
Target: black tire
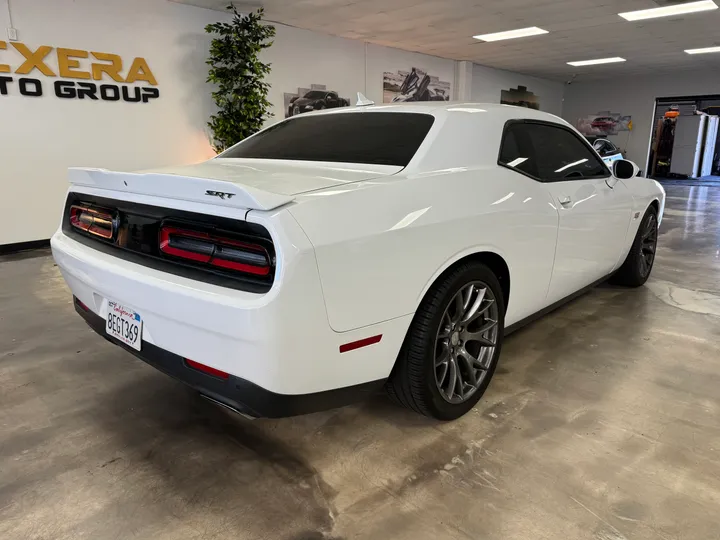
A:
x,y
636,269
412,382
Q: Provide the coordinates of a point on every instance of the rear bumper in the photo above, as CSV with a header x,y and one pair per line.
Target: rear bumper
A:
x,y
234,392
279,342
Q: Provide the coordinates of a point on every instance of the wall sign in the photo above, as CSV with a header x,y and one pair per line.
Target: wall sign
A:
x,y
74,64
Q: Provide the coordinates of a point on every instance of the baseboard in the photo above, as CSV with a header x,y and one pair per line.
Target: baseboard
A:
x,y
23,246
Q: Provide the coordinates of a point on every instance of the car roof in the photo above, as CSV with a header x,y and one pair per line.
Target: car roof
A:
x,y
465,134
444,108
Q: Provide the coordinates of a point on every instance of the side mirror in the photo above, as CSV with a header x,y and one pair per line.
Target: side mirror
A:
x,y
624,169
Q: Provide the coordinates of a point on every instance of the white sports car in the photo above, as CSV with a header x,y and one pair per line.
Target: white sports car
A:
x,y
339,251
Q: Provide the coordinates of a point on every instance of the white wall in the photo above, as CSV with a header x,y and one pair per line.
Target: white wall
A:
x,y
487,84
41,137
635,97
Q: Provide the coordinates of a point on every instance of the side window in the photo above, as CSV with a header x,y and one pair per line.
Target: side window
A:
x,y
548,153
517,151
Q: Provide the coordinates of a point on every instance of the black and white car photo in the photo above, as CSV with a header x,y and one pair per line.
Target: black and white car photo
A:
x,y
316,100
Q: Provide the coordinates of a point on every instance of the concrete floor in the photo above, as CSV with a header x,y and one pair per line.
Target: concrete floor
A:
x,y
602,422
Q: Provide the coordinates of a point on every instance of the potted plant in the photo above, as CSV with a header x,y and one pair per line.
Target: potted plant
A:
x,y
239,76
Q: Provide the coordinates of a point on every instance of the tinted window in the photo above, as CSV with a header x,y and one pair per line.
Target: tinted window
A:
x,y
376,138
548,153
315,94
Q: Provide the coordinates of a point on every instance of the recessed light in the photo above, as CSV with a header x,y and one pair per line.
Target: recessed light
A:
x,y
667,11
703,51
597,61
512,34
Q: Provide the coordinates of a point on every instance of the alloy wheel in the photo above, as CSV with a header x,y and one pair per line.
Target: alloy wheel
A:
x,y
466,341
648,245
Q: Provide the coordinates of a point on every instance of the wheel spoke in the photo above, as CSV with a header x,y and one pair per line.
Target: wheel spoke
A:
x,y
460,384
649,228
469,312
444,370
469,363
485,342
481,310
489,324
480,336
453,378
444,355
466,301
458,307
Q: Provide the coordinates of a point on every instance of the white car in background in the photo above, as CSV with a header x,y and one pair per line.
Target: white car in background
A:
x,y
339,251
607,151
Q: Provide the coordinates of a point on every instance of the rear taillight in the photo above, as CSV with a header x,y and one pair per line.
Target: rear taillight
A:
x,y
215,250
95,221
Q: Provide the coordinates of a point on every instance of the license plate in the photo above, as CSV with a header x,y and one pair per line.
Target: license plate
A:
x,y
124,324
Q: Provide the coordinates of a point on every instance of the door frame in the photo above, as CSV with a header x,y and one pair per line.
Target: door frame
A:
x,y
696,98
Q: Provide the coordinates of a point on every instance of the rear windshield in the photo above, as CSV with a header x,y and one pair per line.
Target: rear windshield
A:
x,y
376,138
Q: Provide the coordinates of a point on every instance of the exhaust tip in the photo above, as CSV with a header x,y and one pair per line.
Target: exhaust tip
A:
x,y
229,407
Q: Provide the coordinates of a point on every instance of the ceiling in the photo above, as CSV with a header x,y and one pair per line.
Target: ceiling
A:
x,y
579,30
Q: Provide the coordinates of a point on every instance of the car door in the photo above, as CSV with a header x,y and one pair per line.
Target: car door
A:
x,y
593,217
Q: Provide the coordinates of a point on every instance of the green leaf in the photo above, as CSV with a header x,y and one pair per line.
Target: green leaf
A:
x,y
236,70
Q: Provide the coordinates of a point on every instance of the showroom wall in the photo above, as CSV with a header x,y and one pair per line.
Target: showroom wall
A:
x,y
635,97
488,83
301,58
42,136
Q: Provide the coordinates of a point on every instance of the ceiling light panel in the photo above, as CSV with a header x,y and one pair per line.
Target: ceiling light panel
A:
x,y
512,34
668,11
612,60
703,51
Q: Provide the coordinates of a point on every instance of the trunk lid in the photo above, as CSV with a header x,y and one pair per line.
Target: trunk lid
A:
x,y
239,183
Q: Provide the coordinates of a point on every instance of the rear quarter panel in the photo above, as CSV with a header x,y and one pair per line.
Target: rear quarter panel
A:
x,y
381,244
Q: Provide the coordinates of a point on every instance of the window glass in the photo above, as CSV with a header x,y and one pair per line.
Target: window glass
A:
x,y
378,138
549,153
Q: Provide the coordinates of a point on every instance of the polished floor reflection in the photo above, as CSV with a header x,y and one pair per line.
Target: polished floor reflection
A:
x,y
602,422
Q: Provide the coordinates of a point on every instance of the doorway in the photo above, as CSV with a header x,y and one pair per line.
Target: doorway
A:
x,y
685,139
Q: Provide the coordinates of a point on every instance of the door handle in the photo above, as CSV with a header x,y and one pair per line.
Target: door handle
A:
x,y
565,201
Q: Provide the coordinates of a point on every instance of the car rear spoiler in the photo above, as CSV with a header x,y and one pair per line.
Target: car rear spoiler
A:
x,y
173,186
